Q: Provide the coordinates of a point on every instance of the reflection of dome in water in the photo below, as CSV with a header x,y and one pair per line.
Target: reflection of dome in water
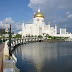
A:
x,y
39,14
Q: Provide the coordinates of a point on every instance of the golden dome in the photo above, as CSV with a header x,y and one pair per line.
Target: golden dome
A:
x,y
39,14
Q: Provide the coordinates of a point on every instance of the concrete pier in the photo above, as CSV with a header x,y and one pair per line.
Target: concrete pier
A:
x,y
9,65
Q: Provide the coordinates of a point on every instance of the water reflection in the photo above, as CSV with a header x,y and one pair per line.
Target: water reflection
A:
x,y
64,48
45,56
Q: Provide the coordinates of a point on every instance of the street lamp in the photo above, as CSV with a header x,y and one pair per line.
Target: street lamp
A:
x,y
10,42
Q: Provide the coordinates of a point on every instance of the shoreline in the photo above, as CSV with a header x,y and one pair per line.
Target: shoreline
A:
x,y
52,40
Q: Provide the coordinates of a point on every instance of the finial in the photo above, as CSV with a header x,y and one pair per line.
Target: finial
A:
x,y
39,10
23,21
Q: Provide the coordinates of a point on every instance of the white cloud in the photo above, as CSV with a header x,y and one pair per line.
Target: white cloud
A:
x,y
8,21
54,8
51,7
69,16
2,25
51,3
67,13
14,26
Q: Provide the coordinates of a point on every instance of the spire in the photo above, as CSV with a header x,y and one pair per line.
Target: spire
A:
x,y
39,10
55,24
48,22
23,23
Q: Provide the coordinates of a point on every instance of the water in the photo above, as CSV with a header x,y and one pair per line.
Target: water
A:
x,y
44,57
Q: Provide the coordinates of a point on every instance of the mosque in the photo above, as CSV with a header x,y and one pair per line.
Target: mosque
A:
x,y
40,28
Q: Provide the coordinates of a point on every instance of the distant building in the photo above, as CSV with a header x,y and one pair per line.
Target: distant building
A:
x,y
2,30
62,30
6,35
20,32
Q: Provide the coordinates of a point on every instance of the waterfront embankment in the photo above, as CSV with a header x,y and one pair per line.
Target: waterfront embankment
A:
x,y
9,62
53,40
44,57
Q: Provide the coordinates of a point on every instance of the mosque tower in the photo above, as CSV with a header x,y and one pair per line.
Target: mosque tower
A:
x,y
23,29
49,25
55,28
6,28
39,23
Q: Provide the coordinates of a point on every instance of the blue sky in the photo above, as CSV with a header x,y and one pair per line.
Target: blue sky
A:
x,y
56,11
18,10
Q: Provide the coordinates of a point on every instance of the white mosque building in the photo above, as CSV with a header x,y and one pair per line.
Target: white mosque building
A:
x,y
38,27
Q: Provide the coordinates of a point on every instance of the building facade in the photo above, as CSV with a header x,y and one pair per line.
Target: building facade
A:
x,y
38,27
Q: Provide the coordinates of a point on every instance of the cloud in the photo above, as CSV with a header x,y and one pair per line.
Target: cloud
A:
x,y
51,3
55,11
51,7
2,25
69,16
67,13
8,21
14,26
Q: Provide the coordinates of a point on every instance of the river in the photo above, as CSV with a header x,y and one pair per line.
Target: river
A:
x,y
44,57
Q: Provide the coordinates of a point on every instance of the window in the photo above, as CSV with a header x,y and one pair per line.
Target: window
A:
x,y
37,19
42,20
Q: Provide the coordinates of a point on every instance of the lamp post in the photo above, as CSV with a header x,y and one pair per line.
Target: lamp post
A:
x,y
10,42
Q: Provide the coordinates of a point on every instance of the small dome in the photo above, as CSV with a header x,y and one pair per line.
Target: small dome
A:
x,y
39,14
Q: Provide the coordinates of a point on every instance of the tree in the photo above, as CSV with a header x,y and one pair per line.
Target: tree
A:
x,y
40,36
31,35
18,36
12,32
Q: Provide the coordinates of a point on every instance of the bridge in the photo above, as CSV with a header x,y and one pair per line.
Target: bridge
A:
x,y
15,42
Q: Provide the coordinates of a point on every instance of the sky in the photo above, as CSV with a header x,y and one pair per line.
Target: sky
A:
x,y
55,11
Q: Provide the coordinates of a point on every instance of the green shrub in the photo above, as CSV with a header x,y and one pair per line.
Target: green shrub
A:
x,y
40,36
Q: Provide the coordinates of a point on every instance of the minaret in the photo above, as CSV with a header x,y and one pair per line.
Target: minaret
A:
x,y
49,25
6,28
55,28
23,29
